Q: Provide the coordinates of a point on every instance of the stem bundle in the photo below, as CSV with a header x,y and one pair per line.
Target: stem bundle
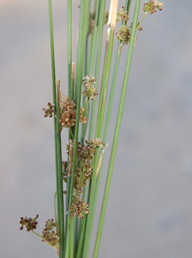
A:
x,y
82,170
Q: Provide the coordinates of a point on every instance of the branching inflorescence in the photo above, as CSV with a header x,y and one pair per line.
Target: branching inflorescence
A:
x,y
124,32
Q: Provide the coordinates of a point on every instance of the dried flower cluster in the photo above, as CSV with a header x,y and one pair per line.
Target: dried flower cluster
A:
x,y
83,172
150,6
90,92
68,116
29,223
49,110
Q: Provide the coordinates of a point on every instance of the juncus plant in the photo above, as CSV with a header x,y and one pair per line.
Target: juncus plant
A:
x,y
87,124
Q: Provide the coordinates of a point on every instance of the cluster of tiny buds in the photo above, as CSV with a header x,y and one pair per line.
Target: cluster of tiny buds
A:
x,y
79,207
122,15
68,116
49,110
49,224
90,92
123,34
29,223
96,142
49,236
150,6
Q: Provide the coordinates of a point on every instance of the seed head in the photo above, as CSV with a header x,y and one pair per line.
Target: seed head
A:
x,y
69,112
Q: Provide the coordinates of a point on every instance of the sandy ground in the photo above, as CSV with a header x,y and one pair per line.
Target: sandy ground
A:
x,y
149,209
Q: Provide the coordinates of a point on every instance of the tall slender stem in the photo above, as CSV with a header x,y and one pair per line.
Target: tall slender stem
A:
x,y
57,130
94,41
84,12
112,91
101,109
109,109
97,65
69,46
117,129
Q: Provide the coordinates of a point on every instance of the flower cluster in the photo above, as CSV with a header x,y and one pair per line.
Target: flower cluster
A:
x,y
68,116
150,6
123,35
90,92
83,172
49,110
124,32
78,207
49,236
29,223
122,15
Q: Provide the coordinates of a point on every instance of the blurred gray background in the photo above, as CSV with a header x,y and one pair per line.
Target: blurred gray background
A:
x,y
149,213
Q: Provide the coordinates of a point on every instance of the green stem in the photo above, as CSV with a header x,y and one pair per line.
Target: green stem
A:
x,y
67,213
101,109
84,12
117,129
84,126
109,109
86,56
104,85
69,46
112,91
72,136
94,41
57,130
72,81
55,213
88,229
143,19
37,234
97,65
76,233
81,238
72,238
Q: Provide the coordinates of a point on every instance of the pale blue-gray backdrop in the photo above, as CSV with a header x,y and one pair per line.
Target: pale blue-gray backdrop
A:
x,y
149,214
